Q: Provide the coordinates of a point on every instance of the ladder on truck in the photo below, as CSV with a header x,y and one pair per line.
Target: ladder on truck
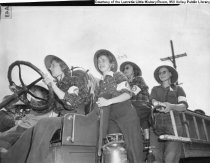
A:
x,y
196,137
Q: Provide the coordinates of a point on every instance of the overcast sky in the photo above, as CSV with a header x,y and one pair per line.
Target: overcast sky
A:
x,y
140,34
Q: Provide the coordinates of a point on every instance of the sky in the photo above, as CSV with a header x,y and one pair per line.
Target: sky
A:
x,y
140,34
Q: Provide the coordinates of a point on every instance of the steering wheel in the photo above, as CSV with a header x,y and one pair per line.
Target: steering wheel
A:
x,y
47,104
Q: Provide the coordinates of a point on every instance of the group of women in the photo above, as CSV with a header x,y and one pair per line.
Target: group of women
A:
x,y
127,96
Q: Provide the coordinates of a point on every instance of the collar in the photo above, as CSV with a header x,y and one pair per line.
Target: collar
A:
x,y
110,73
60,77
168,87
3,109
130,79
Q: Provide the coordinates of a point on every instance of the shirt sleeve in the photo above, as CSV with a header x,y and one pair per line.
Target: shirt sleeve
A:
x,y
181,96
142,85
144,88
122,83
153,94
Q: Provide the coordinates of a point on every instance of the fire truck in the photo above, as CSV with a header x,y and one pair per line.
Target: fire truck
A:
x,y
83,139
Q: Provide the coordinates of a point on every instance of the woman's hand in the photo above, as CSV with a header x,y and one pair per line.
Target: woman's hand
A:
x,y
13,87
47,80
73,90
168,107
103,102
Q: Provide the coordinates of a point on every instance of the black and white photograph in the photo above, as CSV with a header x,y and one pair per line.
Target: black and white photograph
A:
x,y
105,84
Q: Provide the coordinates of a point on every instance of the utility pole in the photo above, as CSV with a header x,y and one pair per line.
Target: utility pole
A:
x,y
173,57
